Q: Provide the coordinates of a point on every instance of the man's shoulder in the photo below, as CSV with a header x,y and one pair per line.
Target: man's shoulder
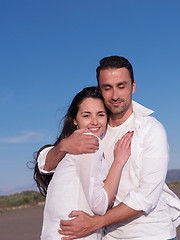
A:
x,y
152,121
152,128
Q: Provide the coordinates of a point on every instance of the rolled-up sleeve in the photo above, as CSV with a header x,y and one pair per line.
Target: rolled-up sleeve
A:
x,y
152,170
42,159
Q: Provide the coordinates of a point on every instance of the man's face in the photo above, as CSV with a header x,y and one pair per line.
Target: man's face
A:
x,y
117,89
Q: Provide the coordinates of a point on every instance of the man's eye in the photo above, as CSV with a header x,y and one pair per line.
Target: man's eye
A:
x,y
101,115
106,88
121,86
85,116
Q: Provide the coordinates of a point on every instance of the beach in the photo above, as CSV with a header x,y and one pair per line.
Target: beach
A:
x,y
21,224
25,223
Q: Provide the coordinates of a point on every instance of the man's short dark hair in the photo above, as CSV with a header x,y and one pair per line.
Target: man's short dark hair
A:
x,y
114,62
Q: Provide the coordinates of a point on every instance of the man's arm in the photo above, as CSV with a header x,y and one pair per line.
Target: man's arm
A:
x,y
77,143
85,224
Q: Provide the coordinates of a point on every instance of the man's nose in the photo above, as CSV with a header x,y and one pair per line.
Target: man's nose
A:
x,y
115,95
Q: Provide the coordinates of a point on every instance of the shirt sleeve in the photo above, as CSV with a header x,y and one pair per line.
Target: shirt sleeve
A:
x,y
42,159
92,171
153,163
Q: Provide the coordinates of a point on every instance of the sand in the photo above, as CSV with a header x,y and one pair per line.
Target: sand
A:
x,y
25,223
21,224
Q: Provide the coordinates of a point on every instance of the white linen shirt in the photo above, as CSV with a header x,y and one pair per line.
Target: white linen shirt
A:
x,y
142,183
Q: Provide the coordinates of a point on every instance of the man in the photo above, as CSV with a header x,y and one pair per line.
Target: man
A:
x,y
143,205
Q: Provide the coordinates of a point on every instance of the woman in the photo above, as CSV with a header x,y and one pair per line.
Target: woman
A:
x,y
80,182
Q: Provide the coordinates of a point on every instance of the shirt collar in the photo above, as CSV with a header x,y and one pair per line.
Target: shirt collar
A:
x,y
140,110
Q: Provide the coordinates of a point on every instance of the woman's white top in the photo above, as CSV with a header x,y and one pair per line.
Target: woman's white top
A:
x,y
77,184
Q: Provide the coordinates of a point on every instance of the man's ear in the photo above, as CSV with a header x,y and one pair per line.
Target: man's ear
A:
x,y
134,87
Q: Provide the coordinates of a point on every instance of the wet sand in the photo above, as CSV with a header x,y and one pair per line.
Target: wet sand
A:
x,y
25,223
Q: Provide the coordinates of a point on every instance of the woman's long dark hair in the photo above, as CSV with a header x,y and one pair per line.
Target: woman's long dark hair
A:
x,y
69,127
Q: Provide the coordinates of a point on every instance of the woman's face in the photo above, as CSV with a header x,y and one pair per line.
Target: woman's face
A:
x,y
92,115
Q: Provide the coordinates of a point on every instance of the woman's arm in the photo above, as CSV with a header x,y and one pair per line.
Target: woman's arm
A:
x,y
122,151
92,171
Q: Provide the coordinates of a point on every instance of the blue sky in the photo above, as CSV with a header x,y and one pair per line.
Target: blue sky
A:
x,y
49,51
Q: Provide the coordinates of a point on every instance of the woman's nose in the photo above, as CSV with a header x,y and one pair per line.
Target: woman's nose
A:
x,y
94,121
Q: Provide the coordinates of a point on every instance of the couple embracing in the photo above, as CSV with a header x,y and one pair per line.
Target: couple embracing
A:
x,y
110,163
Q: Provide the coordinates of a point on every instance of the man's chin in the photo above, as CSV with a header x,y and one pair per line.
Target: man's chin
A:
x,y
115,110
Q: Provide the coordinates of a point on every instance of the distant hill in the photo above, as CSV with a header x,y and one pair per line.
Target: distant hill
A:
x,y
24,198
173,175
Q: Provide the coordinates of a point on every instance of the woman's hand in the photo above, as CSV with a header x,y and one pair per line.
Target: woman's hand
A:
x,y
122,149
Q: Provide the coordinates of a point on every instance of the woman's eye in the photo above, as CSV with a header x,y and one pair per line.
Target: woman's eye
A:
x,y
85,116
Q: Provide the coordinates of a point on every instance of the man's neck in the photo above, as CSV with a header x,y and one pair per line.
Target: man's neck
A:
x,y
116,120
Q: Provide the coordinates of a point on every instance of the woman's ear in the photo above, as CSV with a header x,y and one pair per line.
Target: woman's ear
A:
x,y
75,122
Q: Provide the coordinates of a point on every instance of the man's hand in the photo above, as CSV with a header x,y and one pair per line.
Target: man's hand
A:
x,y
80,226
79,143
84,224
